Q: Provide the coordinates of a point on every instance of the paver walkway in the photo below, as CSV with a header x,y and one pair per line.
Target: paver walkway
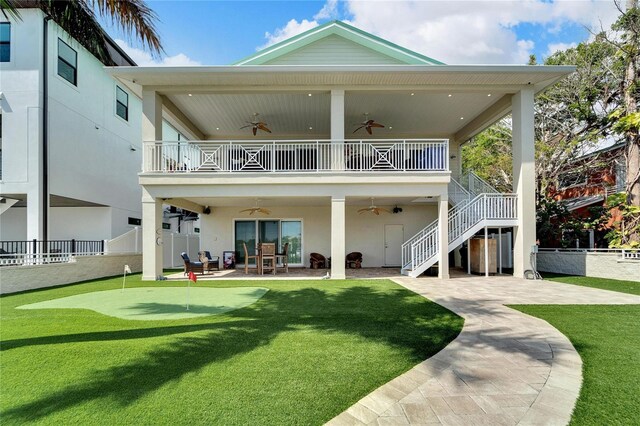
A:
x,y
504,368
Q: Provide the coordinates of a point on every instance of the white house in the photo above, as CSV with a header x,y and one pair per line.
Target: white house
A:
x,y
316,170
58,103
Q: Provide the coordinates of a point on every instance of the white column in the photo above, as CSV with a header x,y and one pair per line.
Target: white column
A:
x,y
523,179
337,115
443,229
338,229
151,123
337,129
486,251
151,237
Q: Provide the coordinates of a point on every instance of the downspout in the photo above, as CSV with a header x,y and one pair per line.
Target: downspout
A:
x,y
45,132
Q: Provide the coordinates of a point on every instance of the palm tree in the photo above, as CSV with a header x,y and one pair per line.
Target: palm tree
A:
x,y
79,19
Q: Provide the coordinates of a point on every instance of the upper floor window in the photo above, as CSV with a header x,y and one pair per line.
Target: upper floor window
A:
x,y
67,63
122,103
5,41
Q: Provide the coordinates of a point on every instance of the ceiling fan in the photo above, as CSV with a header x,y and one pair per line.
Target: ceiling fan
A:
x,y
257,208
373,209
256,125
367,124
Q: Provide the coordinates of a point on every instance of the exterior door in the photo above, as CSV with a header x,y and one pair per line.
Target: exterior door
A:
x,y
393,239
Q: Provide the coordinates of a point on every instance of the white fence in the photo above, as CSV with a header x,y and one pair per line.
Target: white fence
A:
x,y
173,244
296,156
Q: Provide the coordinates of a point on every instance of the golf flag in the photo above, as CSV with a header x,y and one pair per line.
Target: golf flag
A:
x,y
192,277
127,270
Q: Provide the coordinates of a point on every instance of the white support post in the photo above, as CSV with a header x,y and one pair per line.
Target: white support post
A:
x,y
151,124
337,129
500,251
338,229
151,237
469,256
523,179
486,251
443,229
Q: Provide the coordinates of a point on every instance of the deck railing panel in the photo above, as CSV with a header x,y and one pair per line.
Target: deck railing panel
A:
x,y
406,155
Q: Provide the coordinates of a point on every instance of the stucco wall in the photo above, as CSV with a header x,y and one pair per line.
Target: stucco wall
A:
x,y
590,264
365,233
20,278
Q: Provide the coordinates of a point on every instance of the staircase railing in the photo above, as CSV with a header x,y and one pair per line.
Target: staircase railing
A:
x,y
476,185
462,218
457,193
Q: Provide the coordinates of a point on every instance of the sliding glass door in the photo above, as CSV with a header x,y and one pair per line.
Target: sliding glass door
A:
x,y
278,231
245,232
291,232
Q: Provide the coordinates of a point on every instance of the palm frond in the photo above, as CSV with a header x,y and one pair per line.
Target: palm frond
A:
x,y
9,8
134,17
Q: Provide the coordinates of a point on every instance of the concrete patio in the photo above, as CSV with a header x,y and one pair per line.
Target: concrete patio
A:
x,y
505,367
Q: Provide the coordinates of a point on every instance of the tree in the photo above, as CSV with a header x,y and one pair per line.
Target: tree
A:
x,y
79,19
489,156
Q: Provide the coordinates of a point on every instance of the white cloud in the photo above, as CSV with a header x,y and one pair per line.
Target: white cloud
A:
x,y
328,11
144,58
556,47
473,31
292,28
461,32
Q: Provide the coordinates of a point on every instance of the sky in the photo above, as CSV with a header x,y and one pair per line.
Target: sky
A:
x,y
207,32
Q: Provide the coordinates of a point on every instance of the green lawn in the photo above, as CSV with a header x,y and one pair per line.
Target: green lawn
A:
x,y
301,354
632,287
607,337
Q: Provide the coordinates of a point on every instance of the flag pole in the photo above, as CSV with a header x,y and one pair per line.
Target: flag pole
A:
x,y
188,287
124,277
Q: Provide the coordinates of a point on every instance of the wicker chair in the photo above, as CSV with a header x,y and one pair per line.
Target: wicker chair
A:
x,y
210,263
189,266
317,261
354,260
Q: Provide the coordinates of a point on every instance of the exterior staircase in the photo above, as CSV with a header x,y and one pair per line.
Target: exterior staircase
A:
x,y
474,206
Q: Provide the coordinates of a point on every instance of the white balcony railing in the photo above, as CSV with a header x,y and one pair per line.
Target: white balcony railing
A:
x,y
407,155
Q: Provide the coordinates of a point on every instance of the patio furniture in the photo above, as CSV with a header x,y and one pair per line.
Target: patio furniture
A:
x,y
210,263
284,257
247,258
317,261
189,266
268,253
354,260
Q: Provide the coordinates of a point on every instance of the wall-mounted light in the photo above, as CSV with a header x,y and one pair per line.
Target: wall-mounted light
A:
x,y
132,148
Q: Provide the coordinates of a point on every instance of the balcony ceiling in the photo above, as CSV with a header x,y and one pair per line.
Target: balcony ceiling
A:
x,y
300,116
224,97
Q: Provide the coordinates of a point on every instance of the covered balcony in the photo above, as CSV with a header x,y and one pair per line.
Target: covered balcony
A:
x,y
297,156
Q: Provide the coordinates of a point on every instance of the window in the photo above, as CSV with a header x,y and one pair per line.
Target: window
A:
x,y
67,63
570,179
166,226
122,103
5,41
135,221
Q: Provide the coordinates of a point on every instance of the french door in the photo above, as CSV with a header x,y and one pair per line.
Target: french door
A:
x,y
278,231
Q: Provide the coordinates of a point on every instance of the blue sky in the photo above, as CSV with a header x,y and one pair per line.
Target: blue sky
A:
x,y
473,31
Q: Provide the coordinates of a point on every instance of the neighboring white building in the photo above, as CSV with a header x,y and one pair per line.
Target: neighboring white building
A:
x,y
312,91
92,135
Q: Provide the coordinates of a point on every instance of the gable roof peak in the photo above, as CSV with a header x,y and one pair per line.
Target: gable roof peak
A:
x,y
377,45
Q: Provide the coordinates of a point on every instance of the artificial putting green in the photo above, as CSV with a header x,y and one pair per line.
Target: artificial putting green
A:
x,y
157,303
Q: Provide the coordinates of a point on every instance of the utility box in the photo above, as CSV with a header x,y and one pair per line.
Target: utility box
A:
x,y
477,255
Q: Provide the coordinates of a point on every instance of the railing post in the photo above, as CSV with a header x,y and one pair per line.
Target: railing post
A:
x,y
273,156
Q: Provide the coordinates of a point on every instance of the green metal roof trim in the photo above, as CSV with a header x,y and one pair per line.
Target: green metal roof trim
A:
x,y
341,29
